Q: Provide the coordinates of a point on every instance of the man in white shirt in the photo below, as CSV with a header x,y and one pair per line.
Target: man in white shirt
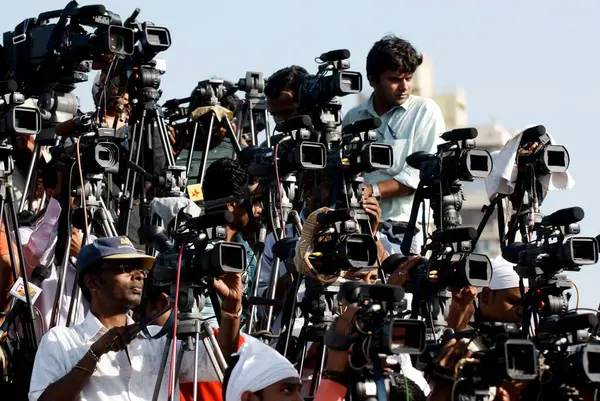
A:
x,y
85,361
408,123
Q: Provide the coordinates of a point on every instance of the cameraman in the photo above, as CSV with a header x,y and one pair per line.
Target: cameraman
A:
x,y
315,196
220,143
85,361
335,383
409,124
227,178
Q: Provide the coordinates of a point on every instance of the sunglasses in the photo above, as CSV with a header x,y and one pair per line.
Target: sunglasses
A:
x,y
127,268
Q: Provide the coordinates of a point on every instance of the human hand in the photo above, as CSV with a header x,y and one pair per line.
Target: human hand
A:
x,y
230,289
400,276
464,297
115,340
373,209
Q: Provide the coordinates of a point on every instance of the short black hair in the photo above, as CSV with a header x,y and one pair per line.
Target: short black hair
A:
x,y
225,177
231,103
93,269
391,53
406,389
286,79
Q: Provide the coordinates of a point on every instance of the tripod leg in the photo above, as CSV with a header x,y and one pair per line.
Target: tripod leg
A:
x,y
164,138
231,134
272,290
30,179
207,149
10,193
74,297
161,371
126,204
188,164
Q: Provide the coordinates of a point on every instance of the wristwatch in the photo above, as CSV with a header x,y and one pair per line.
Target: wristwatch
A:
x,y
375,191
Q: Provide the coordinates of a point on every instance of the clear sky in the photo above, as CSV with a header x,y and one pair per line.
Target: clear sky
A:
x,y
521,62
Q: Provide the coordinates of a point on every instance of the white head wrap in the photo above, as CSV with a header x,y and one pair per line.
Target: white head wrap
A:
x,y
504,275
259,367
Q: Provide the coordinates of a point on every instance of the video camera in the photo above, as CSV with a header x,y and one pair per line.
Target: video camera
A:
x,y
18,116
505,357
293,150
571,355
199,242
145,70
567,252
451,264
377,330
319,89
359,153
455,160
340,245
40,53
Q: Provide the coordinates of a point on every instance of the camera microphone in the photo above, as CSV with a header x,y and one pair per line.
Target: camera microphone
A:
x,y
460,134
511,252
333,216
9,86
533,134
210,220
359,126
335,55
454,235
564,217
294,124
415,160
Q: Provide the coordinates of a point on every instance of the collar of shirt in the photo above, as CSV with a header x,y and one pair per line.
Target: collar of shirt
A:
x,y
92,327
370,106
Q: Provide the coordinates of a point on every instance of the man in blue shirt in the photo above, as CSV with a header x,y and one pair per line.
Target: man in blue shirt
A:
x,y
227,178
409,124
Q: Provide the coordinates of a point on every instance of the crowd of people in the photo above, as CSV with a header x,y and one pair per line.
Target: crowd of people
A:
x,y
92,345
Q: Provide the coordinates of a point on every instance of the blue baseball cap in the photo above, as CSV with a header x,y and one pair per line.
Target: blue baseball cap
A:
x,y
111,248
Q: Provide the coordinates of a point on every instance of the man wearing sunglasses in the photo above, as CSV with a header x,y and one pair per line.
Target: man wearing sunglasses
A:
x,y
105,357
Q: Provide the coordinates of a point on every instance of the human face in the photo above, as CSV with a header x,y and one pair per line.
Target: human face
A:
x,y
118,284
282,107
366,277
283,390
501,305
240,214
392,88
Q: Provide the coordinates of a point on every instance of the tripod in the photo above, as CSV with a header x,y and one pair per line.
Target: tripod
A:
x,y
279,211
191,330
146,115
8,217
319,306
254,110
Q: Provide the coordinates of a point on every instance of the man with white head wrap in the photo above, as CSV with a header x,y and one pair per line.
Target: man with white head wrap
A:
x,y
258,372
500,301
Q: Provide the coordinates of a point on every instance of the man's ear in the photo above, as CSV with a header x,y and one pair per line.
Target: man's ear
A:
x,y
372,81
92,282
248,396
163,302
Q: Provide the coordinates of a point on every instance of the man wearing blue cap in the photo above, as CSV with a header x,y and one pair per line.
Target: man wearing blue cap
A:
x,y
85,361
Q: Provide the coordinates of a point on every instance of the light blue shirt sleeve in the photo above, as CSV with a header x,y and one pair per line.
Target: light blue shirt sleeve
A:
x,y
426,139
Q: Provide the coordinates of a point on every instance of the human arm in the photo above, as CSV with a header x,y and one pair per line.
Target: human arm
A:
x,y
461,308
53,380
429,126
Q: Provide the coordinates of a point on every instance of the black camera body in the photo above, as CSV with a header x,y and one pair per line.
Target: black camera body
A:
x,y
39,52
376,328
293,150
455,160
199,243
340,245
556,248
319,89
